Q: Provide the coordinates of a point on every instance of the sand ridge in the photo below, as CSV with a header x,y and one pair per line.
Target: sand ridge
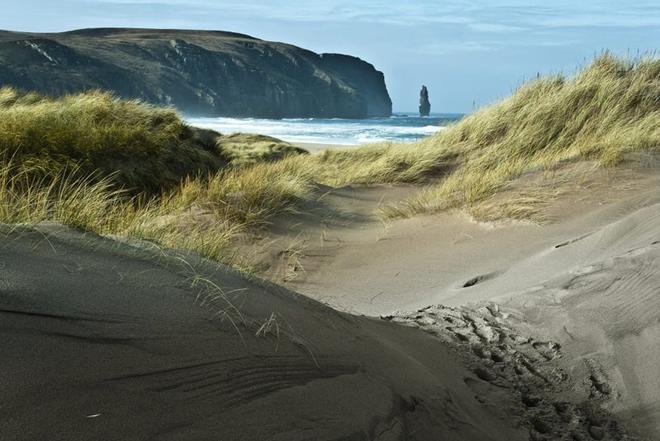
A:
x,y
548,331
116,342
588,281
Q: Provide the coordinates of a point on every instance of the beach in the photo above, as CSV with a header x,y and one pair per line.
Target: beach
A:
x,y
495,279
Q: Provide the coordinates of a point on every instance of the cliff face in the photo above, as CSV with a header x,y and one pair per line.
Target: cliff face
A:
x,y
199,72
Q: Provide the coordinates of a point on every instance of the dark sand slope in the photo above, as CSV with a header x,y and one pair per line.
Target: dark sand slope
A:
x,y
107,341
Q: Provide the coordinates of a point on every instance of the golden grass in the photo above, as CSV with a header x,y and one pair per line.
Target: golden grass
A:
x,y
232,202
245,149
610,108
249,196
121,167
79,202
144,147
69,159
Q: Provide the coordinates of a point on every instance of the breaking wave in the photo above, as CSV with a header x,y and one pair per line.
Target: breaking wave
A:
x,y
399,127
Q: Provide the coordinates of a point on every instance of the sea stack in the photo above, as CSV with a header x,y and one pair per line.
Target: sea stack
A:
x,y
424,103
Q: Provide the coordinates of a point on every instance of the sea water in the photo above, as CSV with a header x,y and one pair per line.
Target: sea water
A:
x,y
400,127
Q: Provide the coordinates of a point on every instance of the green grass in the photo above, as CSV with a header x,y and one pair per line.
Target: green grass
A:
x,y
245,149
144,147
610,108
123,167
126,168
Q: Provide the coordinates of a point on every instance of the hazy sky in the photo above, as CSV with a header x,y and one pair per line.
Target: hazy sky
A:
x,y
465,52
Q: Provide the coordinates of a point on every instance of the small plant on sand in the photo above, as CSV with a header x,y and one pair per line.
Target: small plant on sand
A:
x,y
270,327
292,257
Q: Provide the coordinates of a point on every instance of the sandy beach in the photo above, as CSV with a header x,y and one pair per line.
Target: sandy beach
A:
x,y
125,340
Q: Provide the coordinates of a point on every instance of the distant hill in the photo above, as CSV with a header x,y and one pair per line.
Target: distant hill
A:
x,y
199,72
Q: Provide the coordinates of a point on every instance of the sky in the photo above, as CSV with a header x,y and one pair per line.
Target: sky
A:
x,y
468,53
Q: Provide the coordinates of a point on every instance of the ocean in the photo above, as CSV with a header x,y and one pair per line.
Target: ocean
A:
x,y
400,127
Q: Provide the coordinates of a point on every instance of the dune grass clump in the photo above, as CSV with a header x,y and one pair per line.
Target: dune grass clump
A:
x,y
610,108
244,149
145,148
79,202
385,162
167,220
201,215
249,196
122,167
607,110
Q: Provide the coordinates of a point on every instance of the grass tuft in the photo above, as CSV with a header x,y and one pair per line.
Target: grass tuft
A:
x,y
246,149
145,148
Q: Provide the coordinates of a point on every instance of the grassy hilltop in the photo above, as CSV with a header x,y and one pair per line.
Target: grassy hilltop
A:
x,y
123,167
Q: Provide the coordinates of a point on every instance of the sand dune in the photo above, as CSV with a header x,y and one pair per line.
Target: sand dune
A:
x,y
599,296
102,340
588,281
547,332
119,341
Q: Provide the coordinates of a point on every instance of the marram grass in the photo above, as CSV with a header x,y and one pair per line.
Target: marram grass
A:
x,y
112,166
607,110
145,148
610,108
192,199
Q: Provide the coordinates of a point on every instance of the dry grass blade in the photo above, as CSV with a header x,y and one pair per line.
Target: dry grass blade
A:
x,y
270,327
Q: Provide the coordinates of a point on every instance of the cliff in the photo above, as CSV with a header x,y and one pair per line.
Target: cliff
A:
x,y
208,73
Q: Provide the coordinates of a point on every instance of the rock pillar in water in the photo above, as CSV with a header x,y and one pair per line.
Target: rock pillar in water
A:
x,y
424,103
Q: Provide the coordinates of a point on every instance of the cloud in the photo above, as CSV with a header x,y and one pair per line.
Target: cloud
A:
x,y
480,16
495,27
449,47
477,19
462,46
603,21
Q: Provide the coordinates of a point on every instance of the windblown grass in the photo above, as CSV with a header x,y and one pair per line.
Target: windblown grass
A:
x,y
250,195
610,108
145,148
113,166
607,110
202,215
245,149
120,167
78,202
97,206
